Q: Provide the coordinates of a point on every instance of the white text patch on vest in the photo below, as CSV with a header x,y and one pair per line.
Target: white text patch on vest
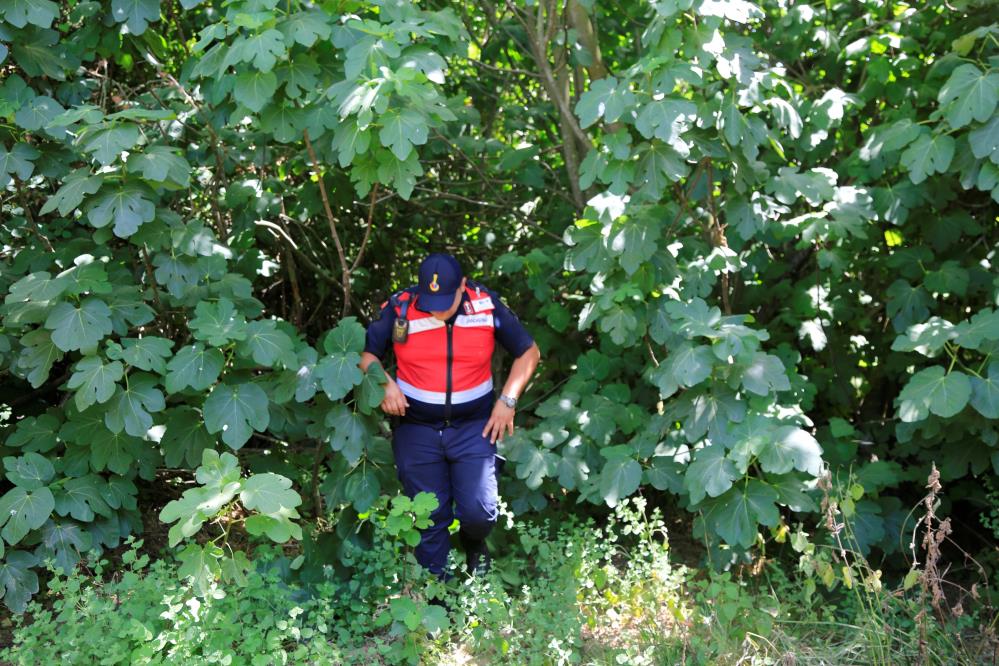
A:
x,y
474,320
480,304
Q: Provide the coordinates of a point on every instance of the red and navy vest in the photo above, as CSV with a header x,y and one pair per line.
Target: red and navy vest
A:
x,y
447,363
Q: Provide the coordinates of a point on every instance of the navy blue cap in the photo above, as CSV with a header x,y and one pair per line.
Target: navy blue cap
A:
x,y
440,277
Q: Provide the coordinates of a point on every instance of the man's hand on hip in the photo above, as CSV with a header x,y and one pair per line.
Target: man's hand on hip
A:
x,y
500,421
395,402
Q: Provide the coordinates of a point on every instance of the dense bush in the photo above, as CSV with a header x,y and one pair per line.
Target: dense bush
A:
x,y
755,242
562,595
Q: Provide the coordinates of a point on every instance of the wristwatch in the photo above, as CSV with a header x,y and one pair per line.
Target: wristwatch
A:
x,y
508,401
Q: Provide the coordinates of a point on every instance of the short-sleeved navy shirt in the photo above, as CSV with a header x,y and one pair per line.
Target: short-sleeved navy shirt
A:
x,y
510,333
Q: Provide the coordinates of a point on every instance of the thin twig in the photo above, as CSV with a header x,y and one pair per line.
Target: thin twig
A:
x,y
165,328
367,230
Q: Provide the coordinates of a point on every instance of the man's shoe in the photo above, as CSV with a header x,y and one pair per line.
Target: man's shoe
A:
x,y
477,557
440,602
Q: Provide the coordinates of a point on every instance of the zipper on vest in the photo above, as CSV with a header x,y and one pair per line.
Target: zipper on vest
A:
x,y
450,355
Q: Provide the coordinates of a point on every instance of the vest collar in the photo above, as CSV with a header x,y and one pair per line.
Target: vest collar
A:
x,y
464,297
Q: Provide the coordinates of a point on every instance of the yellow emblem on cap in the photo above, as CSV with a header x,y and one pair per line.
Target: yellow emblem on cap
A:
x,y
433,284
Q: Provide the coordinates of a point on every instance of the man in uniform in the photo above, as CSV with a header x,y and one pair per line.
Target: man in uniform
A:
x,y
442,332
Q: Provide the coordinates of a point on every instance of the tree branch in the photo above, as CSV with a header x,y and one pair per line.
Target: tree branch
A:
x,y
345,267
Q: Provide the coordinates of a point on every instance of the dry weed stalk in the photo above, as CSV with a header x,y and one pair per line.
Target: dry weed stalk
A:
x,y
830,508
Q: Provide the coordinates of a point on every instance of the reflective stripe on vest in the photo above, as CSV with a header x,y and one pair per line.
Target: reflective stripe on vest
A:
x,y
438,397
422,360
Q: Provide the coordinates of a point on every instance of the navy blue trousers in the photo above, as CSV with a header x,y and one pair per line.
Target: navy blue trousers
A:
x,y
459,466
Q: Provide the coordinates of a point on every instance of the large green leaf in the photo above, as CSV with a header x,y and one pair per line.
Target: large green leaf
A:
x,y
983,325
79,328
815,185
969,94
20,13
217,469
658,166
18,160
711,473
267,344
63,542
108,143
278,527
268,493
985,392
338,373
133,405
236,411
128,206
185,437
985,140
300,76
38,57
200,564
401,130
305,27
194,507
712,413
588,247
927,338
907,304
162,164
931,154
371,390
283,122
401,174
634,243
347,336
115,451
735,515
136,14
362,488
254,89
22,511
18,580
35,433
765,374
30,471
264,49
350,140
193,366
146,353
94,380
790,447
81,498
689,365
217,323
607,98
349,432
933,390
619,478
666,119
37,356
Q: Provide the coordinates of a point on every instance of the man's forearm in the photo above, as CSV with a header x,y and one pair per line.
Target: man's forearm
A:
x,y
523,367
367,358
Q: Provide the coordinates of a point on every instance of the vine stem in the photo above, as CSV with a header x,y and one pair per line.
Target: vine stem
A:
x,y
317,498
984,361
